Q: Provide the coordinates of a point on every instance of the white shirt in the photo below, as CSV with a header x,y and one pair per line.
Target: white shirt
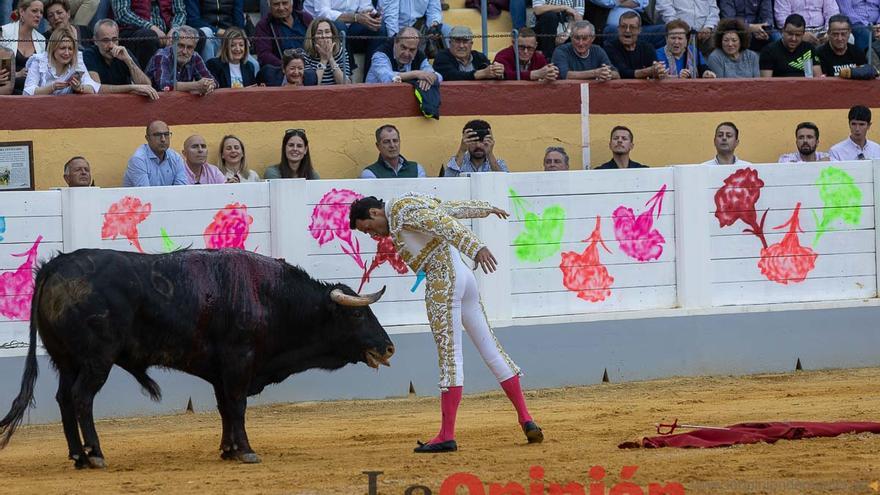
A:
x,y
795,157
849,150
331,9
736,161
42,73
235,76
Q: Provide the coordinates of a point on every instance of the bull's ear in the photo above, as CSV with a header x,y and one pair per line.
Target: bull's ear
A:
x,y
344,299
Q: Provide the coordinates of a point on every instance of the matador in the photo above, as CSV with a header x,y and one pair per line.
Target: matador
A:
x,y
428,237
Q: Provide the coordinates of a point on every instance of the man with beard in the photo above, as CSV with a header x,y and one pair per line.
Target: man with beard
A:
x,y
476,152
621,144
807,140
787,57
726,141
190,74
857,146
428,237
633,59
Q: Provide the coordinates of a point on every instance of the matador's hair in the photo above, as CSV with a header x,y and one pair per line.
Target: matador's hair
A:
x,y
360,209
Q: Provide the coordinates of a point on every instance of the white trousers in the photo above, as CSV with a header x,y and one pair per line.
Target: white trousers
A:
x,y
453,303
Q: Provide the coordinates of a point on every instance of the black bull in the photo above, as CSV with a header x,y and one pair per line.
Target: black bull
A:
x,y
238,320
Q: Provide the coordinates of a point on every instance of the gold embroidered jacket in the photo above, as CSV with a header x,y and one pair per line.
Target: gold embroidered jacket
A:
x,y
420,224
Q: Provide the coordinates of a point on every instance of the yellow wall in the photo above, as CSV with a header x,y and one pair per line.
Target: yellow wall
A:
x,y
340,149
678,138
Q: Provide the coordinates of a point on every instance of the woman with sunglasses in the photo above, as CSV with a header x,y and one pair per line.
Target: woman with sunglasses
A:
x,y
296,161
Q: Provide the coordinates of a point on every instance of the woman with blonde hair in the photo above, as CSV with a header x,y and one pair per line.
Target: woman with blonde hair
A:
x,y
60,70
326,54
233,163
232,69
21,35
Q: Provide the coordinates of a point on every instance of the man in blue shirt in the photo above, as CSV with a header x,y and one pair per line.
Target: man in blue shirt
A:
x,y
476,153
154,163
400,60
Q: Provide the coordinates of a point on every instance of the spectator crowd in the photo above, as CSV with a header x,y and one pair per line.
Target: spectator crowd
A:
x,y
147,47
156,163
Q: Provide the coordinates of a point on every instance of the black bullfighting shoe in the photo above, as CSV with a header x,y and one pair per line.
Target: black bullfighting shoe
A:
x,y
433,448
533,432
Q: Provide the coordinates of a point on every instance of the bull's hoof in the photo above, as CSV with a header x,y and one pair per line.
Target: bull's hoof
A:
x,y
249,458
243,457
97,462
79,461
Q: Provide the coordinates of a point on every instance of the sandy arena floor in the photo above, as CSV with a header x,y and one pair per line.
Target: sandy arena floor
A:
x,y
323,448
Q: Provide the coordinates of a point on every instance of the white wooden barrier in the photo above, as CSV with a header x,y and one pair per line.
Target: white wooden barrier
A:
x,y
577,244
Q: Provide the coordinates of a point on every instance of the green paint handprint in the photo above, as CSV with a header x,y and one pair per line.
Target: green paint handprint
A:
x,y
541,237
842,199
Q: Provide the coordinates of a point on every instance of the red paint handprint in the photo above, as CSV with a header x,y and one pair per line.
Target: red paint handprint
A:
x,y
584,273
736,200
384,252
788,261
123,218
17,288
636,236
230,228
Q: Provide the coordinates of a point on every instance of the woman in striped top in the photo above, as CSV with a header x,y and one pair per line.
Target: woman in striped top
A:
x,y
326,54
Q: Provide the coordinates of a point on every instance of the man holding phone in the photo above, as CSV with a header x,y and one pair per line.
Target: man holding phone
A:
x,y
476,153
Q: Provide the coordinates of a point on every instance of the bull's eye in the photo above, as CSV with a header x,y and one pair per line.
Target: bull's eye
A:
x,y
358,313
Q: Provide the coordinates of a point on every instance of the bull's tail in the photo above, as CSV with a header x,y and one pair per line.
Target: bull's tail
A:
x,y
26,394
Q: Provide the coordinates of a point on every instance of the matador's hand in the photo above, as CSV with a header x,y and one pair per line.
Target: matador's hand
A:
x,y
499,213
486,260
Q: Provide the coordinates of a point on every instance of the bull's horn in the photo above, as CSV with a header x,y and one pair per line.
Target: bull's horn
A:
x,y
344,299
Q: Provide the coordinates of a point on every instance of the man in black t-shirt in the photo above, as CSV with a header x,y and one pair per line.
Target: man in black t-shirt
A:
x,y
113,66
791,56
838,53
634,59
621,144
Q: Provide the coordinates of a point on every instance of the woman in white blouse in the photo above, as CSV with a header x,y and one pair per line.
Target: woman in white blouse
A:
x,y
60,70
233,163
22,37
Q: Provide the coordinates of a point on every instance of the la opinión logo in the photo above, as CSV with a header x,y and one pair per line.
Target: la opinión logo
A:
x,y
536,485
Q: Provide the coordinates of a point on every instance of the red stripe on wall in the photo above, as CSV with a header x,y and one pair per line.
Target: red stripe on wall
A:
x,y
730,95
281,104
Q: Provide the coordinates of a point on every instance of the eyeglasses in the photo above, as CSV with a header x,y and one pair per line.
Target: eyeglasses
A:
x,y
527,48
161,134
108,40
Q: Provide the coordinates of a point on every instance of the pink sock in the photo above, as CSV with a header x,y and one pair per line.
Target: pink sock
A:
x,y
449,402
514,393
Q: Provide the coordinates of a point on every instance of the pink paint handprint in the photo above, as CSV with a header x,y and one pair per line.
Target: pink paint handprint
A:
x,y
330,219
123,218
230,227
17,288
636,235
584,273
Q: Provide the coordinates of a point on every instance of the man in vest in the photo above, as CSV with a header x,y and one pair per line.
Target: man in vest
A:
x,y
391,163
149,22
400,60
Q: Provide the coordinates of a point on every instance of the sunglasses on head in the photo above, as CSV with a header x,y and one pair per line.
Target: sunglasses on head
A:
x,y
290,52
295,131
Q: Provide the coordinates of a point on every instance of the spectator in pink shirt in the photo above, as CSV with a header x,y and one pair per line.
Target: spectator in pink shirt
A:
x,y
533,65
195,155
815,12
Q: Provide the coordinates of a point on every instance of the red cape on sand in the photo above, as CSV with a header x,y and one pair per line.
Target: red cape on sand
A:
x,y
752,433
